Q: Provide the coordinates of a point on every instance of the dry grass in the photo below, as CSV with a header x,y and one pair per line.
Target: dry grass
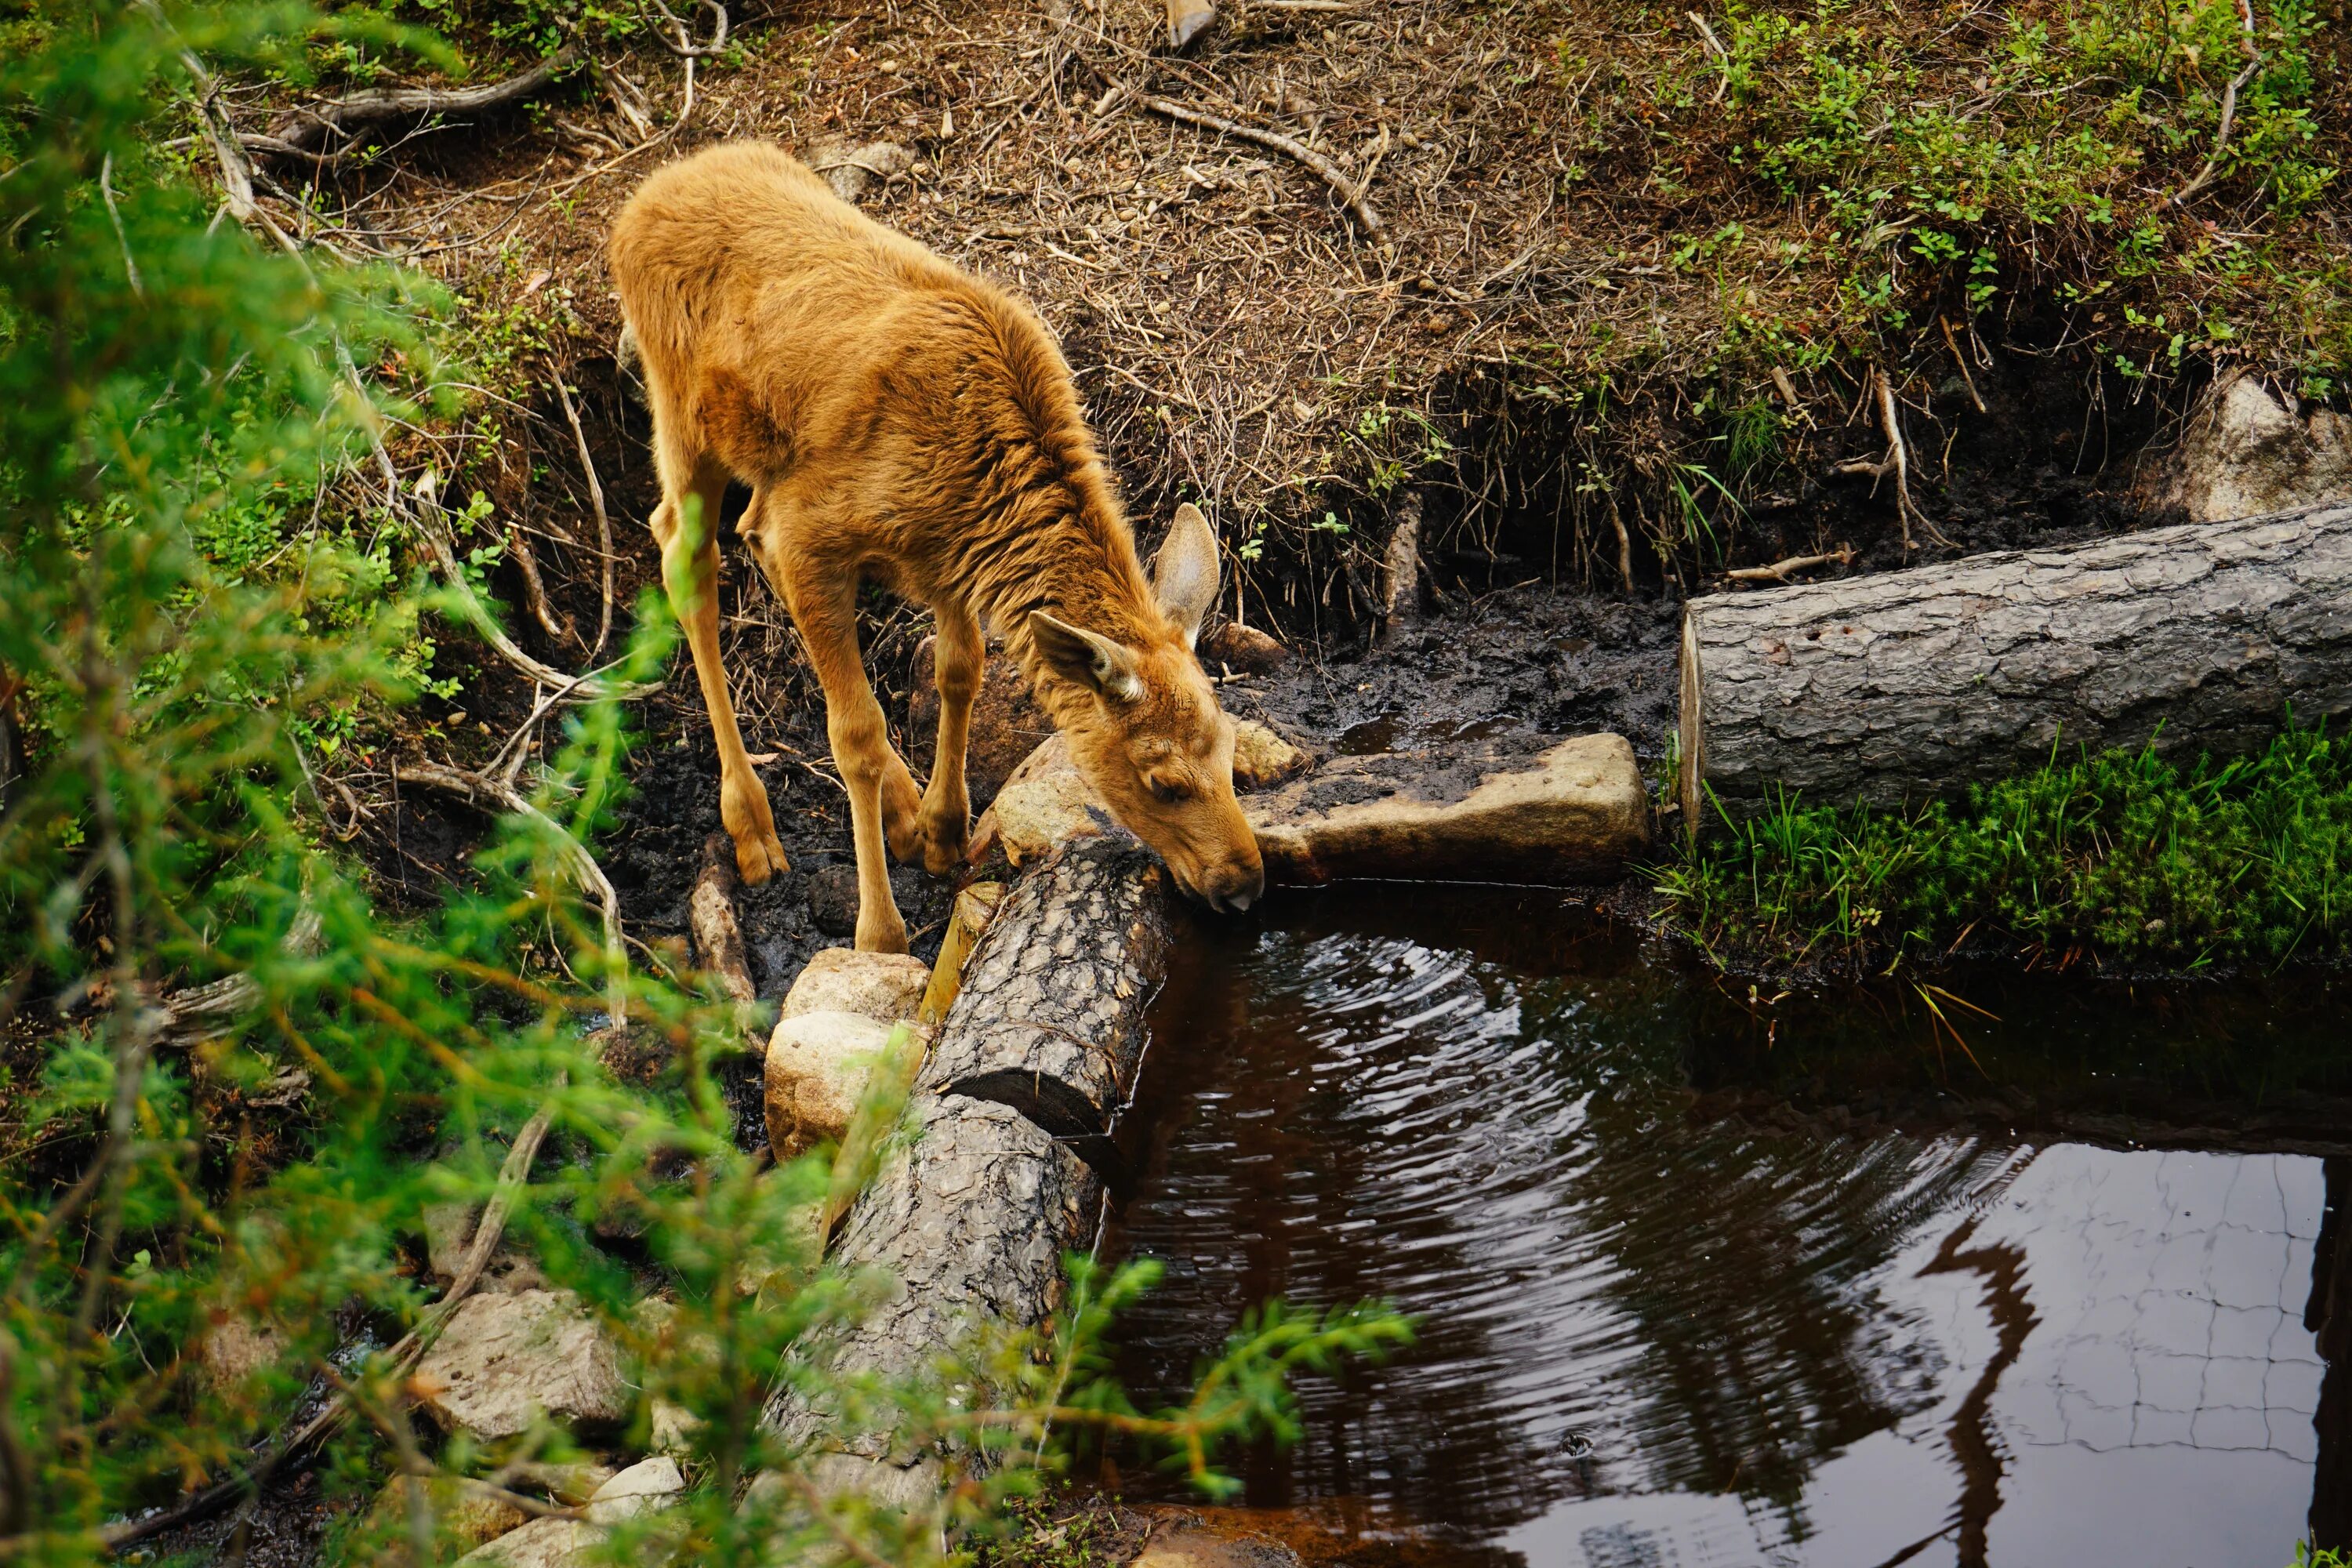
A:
x,y
1605,281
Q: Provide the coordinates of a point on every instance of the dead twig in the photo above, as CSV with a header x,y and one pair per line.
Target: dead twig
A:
x,y
1351,193
310,129
672,33
1782,571
603,519
490,794
433,527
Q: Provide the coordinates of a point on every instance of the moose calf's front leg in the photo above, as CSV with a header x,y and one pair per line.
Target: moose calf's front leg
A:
x,y
960,658
690,573
826,615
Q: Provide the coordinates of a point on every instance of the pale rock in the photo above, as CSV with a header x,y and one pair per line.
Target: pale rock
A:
x,y
1575,812
1193,1547
465,1516
853,171
885,986
239,1348
643,1489
1046,803
504,1361
817,1068
449,1232
2244,454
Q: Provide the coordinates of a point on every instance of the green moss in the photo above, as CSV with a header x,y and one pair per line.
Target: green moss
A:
x,y
2127,855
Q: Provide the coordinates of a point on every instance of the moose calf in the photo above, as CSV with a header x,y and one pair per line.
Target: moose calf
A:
x,y
899,420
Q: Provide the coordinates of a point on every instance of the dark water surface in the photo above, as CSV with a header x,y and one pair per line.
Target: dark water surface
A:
x,y
1710,1279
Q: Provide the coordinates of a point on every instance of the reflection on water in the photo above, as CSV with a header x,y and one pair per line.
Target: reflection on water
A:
x,y
1655,1337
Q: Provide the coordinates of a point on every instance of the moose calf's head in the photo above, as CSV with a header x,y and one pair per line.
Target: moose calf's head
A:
x,y
1152,742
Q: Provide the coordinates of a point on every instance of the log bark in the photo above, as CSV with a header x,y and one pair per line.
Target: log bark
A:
x,y
1050,1020
1901,687
970,1217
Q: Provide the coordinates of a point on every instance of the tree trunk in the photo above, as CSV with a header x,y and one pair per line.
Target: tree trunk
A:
x,y
1900,688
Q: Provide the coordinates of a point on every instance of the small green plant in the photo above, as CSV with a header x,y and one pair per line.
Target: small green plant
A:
x,y
2126,855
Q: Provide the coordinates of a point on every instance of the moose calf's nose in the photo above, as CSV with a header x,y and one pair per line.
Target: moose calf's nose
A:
x,y
1235,886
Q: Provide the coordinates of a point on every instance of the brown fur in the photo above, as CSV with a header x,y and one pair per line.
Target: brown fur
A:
x,y
899,420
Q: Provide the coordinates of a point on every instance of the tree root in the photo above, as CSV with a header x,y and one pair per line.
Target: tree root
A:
x,y
1896,462
1351,193
1782,571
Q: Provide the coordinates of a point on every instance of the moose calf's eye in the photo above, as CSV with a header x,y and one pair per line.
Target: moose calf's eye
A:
x,y
1168,792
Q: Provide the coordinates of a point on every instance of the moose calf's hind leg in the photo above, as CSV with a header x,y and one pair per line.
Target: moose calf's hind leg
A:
x,y
959,659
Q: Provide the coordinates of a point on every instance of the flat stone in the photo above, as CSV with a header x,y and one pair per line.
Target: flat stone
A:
x,y
1574,813
887,986
449,1231
1196,1548
505,1361
817,1069
643,1489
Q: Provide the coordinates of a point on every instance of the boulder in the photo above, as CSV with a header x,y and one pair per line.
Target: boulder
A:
x,y
2245,454
1006,724
506,1360
888,986
818,1064
463,1515
1575,812
836,1025
645,1488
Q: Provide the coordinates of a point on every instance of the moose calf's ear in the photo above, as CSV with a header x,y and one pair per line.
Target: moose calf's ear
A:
x,y
1184,572
1090,658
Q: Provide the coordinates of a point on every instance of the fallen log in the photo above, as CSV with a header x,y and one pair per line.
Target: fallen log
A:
x,y
1909,686
1050,1019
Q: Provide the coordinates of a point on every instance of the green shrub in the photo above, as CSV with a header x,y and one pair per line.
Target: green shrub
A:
x,y
2138,858
195,597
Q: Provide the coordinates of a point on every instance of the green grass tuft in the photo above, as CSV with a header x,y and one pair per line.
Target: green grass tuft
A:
x,y
2127,855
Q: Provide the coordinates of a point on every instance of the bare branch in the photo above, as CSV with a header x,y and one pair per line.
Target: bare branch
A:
x,y
310,129
1349,192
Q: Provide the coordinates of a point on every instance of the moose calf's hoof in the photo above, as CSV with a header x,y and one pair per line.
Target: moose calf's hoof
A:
x,y
758,859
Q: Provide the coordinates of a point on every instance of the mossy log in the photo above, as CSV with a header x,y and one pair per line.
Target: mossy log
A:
x,y
1908,686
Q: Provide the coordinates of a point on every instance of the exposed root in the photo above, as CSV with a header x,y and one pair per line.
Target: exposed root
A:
x,y
553,622
1782,571
490,793
1896,462
1953,342
603,519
